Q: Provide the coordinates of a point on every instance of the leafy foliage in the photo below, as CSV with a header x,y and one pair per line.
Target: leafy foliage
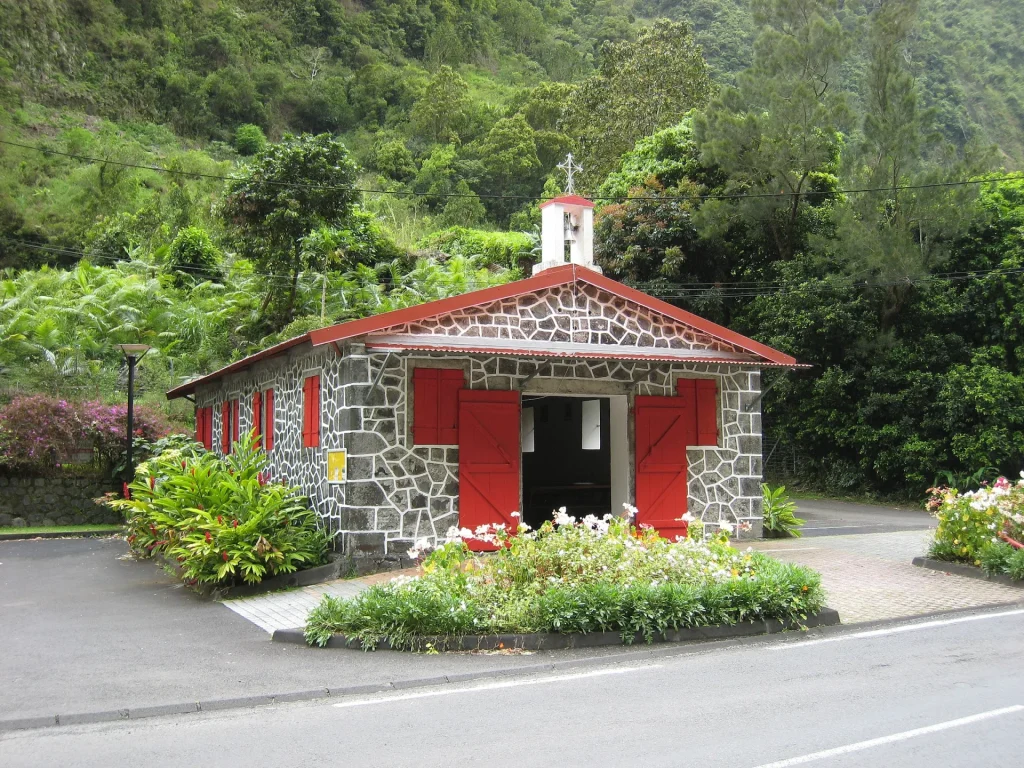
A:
x,y
779,511
596,575
972,523
220,519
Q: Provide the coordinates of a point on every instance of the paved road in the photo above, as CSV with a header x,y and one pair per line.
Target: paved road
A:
x,y
82,631
829,518
948,694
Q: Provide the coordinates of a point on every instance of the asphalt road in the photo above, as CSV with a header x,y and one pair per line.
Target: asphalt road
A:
x,y
949,693
834,518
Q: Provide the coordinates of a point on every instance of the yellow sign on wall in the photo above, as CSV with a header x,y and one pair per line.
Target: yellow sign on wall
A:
x,y
335,466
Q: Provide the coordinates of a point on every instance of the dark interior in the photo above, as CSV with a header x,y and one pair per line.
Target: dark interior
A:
x,y
559,472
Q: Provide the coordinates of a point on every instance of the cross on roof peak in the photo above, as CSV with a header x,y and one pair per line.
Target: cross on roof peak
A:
x,y
569,167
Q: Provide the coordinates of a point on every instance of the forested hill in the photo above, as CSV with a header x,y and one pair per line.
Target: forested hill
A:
x,y
205,66
966,55
827,176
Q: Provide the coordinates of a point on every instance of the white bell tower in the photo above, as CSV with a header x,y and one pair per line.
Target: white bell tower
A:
x,y
567,227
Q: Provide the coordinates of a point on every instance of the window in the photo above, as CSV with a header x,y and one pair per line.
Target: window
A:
x,y
436,405
703,395
311,411
204,427
268,419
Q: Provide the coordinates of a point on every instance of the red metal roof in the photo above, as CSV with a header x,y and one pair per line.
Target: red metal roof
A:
x,y
561,275
569,200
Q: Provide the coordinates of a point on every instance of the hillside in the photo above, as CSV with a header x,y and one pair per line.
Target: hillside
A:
x,y
213,176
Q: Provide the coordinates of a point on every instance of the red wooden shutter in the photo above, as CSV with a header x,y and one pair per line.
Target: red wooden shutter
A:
x,y
425,387
707,412
257,417
311,412
208,428
268,422
664,427
200,417
225,428
234,421
450,384
488,459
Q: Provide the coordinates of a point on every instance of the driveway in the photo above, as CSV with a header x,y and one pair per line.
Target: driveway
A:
x,y
829,518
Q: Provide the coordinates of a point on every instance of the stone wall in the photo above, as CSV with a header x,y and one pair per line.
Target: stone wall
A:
x,y
33,501
396,492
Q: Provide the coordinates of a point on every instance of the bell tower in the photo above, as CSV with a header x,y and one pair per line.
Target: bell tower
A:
x,y
567,226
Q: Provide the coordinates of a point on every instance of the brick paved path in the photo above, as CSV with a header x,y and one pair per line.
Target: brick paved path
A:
x,y
286,610
869,576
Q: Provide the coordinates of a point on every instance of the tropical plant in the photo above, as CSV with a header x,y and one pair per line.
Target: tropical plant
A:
x,y
779,511
973,522
220,520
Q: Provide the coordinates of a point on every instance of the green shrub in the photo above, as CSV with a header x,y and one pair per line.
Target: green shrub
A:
x,y
779,511
498,249
249,139
193,256
969,522
999,558
220,519
599,575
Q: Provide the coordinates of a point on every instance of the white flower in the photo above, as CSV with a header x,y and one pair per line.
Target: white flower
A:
x,y
561,518
726,526
688,517
516,514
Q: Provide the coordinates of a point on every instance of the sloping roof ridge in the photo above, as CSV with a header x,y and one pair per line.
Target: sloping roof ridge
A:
x,y
549,278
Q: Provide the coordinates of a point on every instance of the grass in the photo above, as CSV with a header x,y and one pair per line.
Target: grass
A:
x,y
70,530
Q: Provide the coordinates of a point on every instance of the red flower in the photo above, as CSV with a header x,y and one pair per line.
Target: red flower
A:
x,y
225,556
183,465
131,538
124,489
235,524
262,479
152,483
208,536
220,520
199,507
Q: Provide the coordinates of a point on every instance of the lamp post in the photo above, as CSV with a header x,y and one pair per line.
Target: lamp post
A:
x,y
132,353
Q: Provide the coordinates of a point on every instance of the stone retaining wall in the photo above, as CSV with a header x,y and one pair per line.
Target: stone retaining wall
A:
x,y
32,501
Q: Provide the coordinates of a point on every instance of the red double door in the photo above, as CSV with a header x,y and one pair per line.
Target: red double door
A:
x,y
488,459
489,455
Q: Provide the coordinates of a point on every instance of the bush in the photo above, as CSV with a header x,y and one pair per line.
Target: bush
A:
x,y
193,257
497,249
249,139
973,526
39,433
596,575
220,519
779,512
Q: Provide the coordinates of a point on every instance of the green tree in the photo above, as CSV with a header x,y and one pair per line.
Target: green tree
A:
x,y
779,130
289,190
441,114
509,164
641,87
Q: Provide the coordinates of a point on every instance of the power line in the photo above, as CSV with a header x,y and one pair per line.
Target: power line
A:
x,y
607,198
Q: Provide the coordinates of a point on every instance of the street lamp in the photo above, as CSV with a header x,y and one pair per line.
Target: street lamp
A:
x,y
132,353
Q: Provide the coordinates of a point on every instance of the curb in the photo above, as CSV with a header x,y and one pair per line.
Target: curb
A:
x,y
58,535
549,641
962,569
643,653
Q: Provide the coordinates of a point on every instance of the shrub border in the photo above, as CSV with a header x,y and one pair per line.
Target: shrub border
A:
x,y
963,569
333,569
547,641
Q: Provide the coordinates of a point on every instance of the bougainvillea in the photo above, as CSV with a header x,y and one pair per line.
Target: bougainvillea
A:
x,y
39,433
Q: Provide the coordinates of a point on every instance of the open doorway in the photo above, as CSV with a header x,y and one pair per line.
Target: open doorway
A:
x,y
567,456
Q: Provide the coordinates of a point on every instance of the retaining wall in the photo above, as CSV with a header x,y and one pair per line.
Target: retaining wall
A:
x,y
31,501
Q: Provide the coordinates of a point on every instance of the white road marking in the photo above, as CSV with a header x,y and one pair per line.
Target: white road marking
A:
x,y
842,527
856,747
894,630
495,686
789,549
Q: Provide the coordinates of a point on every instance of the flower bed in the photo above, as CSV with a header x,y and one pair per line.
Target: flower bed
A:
x,y
595,575
220,519
984,528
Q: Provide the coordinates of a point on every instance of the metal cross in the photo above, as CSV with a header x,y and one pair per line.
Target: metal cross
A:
x,y
569,167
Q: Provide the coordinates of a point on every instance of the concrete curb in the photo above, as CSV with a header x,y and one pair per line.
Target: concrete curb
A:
x,y
555,641
963,569
644,653
57,535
